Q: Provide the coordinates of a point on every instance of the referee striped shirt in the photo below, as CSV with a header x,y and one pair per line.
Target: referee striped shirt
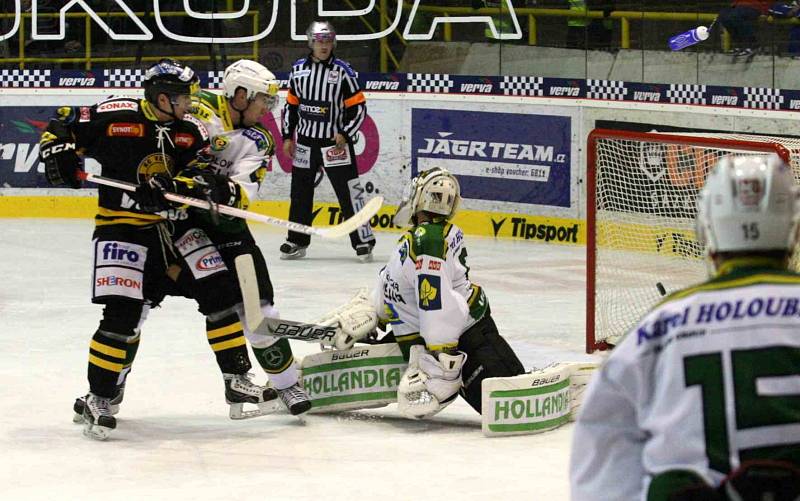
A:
x,y
324,99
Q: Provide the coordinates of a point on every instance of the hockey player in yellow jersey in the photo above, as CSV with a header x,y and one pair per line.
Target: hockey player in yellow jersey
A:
x,y
438,316
701,399
241,149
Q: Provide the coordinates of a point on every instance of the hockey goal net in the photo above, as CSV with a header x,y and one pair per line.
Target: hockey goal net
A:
x,y
641,205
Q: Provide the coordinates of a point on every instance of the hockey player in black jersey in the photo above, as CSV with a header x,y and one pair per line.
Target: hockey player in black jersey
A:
x,y
138,237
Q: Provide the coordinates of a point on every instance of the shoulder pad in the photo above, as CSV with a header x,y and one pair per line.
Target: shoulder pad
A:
x,y
260,136
428,239
346,67
118,104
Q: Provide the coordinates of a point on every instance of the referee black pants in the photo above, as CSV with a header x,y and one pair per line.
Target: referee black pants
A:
x,y
344,179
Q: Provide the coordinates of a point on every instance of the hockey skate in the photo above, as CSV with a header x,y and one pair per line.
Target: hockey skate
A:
x,y
295,399
364,253
240,390
97,418
290,250
80,403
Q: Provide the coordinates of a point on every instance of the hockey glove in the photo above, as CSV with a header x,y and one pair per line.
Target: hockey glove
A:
x,y
61,162
355,320
150,194
206,185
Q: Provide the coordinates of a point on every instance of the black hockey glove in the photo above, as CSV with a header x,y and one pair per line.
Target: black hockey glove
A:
x,y
206,185
61,162
150,194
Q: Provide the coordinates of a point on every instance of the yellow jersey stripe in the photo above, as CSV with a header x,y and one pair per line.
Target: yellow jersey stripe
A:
x,y
107,350
441,347
407,337
282,368
105,364
224,331
231,343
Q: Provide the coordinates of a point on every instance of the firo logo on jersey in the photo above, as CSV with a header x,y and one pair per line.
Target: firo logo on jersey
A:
x,y
443,145
113,252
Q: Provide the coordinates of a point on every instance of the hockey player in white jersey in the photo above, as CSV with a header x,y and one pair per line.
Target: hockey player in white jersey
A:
x,y
241,149
701,398
440,319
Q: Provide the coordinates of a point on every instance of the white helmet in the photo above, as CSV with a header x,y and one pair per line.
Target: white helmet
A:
x,y
252,77
435,190
320,30
748,204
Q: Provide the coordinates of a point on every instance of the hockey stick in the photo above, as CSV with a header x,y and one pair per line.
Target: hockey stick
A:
x,y
259,324
344,228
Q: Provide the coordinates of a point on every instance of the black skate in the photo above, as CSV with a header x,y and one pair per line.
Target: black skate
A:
x,y
295,399
80,403
240,390
97,418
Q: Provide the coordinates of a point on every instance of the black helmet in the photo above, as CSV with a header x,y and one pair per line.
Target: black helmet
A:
x,y
169,77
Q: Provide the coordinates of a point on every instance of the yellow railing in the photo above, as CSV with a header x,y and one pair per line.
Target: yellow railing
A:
x,y
88,59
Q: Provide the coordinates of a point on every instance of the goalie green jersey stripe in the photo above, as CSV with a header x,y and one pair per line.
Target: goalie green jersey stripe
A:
x,y
367,362
550,423
360,397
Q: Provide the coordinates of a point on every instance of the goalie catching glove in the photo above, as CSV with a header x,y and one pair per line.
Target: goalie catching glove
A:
x,y
354,320
430,383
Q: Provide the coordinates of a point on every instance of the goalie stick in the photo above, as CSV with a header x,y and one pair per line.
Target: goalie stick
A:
x,y
275,327
344,228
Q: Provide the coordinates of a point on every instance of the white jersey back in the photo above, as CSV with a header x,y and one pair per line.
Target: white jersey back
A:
x,y
426,288
707,380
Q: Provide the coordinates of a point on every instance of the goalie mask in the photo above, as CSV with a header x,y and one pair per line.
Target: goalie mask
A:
x,y
254,78
435,191
748,204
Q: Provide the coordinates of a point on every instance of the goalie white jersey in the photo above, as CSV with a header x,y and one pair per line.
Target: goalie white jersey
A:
x,y
706,381
242,154
425,286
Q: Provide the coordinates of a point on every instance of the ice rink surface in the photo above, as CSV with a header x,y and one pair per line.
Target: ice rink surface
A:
x,y
174,439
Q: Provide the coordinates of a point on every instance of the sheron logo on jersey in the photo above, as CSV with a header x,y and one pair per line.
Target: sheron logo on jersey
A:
x,y
210,261
114,253
125,129
118,106
429,296
184,140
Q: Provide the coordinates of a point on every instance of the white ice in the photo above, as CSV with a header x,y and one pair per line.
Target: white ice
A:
x,y
174,439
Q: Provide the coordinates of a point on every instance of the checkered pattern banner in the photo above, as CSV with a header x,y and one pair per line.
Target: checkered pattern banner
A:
x,y
24,78
123,78
763,99
215,79
522,86
429,82
686,94
612,90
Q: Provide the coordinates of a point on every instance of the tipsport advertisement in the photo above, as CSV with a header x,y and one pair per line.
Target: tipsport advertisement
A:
x,y
501,157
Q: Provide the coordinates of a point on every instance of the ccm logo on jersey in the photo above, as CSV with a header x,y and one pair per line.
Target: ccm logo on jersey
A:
x,y
118,105
184,140
125,130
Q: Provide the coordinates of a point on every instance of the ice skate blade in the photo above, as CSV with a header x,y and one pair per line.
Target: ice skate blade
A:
x,y
96,432
237,411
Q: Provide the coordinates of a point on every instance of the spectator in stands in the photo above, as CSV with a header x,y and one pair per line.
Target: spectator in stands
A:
x,y
587,33
740,21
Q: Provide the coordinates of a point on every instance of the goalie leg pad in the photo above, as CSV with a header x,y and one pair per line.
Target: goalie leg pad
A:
x,y
488,355
359,378
429,384
535,402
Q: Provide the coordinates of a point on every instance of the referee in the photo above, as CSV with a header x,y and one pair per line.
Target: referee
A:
x,y
324,107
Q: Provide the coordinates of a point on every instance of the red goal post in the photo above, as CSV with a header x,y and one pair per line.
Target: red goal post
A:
x,y
641,203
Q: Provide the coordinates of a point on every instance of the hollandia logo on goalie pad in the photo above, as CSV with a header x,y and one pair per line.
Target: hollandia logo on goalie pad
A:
x,y
358,378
